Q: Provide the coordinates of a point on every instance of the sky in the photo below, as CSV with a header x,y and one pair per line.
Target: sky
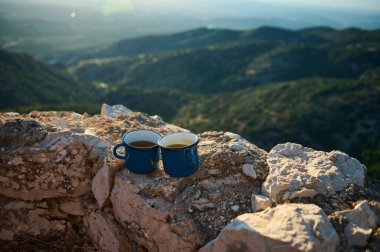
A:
x,y
335,13
371,5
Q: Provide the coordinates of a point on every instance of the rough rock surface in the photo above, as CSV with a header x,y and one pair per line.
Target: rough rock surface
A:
x,y
106,232
39,226
62,190
72,207
164,212
46,164
102,183
43,156
297,172
113,111
289,227
50,155
21,217
361,221
259,203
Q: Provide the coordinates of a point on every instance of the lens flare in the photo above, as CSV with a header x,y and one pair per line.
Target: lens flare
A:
x,y
111,7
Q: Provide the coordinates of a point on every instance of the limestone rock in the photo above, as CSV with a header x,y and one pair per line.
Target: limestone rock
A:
x,y
374,243
51,158
148,219
181,214
235,208
297,171
43,156
362,215
362,220
249,171
260,202
102,183
356,236
29,218
290,227
72,207
113,111
37,124
47,164
217,154
105,232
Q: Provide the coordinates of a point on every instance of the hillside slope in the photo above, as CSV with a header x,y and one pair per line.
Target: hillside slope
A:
x,y
27,84
228,67
217,60
325,114
203,37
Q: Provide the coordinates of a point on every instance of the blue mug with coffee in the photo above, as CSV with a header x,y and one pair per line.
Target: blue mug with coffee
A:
x,y
141,153
179,154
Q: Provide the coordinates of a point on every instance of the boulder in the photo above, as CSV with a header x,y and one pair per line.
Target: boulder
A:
x,y
361,222
218,154
37,164
298,172
356,236
180,214
290,227
362,215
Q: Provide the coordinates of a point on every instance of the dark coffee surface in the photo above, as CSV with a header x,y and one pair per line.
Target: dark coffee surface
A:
x,y
142,144
176,146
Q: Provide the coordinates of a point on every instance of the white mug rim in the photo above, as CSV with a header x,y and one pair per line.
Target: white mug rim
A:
x,y
181,148
141,148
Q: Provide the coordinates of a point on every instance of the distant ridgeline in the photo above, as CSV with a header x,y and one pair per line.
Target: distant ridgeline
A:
x,y
319,86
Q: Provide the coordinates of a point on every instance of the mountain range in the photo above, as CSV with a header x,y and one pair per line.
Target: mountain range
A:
x,y
317,86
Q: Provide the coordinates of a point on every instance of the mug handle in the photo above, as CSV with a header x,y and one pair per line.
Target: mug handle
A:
x,y
115,151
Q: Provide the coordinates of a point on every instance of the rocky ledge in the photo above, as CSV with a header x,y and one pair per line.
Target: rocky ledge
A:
x,y
61,189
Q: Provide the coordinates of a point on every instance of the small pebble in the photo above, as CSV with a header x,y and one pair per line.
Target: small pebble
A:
x,y
235,208
237,147
249,171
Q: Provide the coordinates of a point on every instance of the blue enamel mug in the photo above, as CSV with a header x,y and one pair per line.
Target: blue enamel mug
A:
x,y
141,151
179,154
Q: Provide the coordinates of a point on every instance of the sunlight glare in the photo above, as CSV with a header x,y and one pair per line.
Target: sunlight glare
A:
x,y
111,7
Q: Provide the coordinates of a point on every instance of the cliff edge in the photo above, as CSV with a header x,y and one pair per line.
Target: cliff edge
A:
x,y
62,189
